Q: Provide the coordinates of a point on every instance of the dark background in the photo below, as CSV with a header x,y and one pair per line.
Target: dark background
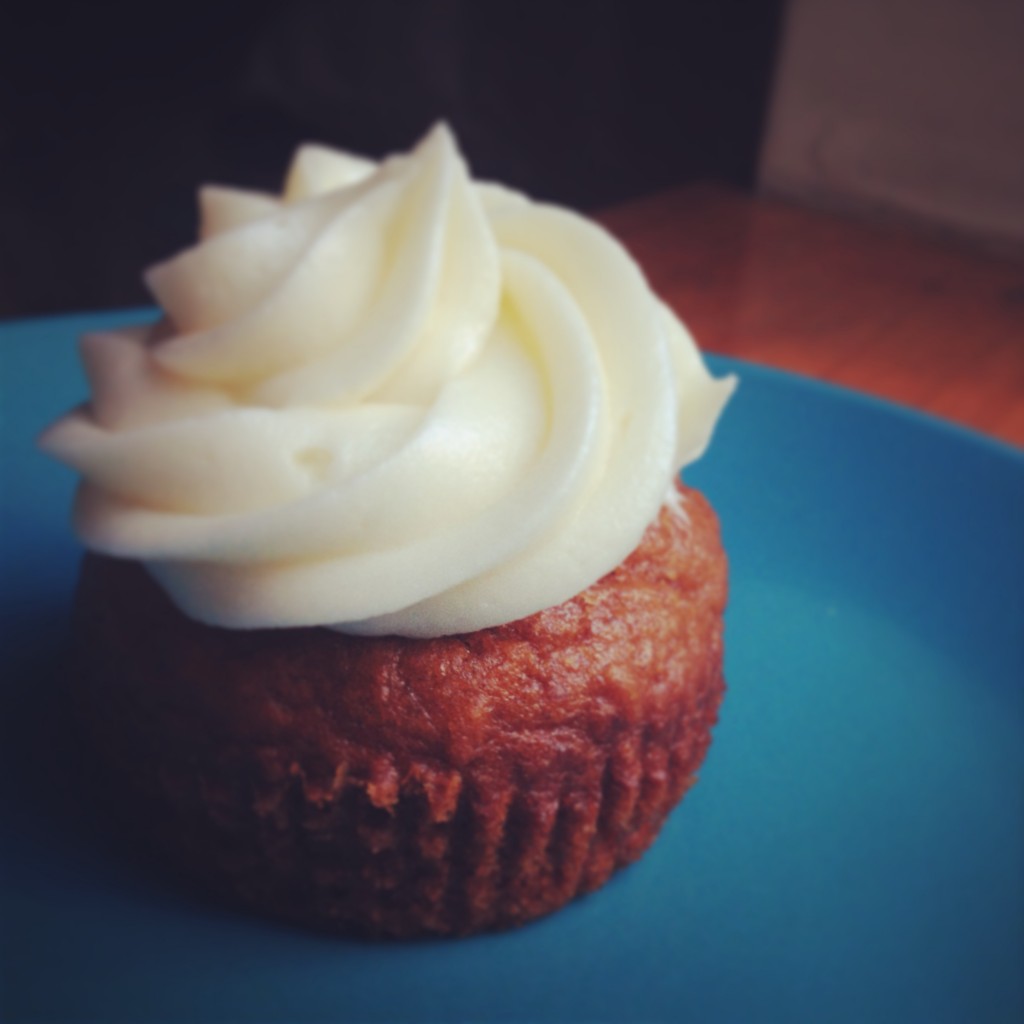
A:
x,y
112,114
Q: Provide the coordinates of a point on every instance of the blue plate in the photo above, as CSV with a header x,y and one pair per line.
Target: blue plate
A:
x,y
853,851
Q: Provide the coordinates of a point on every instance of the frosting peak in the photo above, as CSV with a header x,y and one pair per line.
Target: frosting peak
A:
x,y
390,400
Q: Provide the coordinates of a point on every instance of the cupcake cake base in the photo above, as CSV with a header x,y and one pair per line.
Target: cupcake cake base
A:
x,y
401,787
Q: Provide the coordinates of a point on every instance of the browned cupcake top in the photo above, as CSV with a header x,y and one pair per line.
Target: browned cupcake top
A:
x,y
611,655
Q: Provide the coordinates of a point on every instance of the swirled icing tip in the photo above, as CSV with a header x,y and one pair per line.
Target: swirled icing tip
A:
x,y
388,400
317,169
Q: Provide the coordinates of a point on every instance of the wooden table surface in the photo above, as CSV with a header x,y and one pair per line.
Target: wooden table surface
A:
x,y
934,324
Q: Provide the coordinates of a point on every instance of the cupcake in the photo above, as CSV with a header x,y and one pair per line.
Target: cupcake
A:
x,y
396,618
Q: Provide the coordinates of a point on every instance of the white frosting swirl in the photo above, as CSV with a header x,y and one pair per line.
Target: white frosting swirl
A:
x,y
390,400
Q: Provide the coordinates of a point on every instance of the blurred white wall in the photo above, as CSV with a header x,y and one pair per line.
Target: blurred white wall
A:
x,y
907,106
